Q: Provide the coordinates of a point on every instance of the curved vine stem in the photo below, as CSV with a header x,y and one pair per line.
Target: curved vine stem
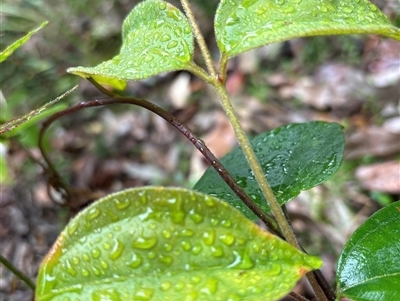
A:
x,y
199,144
17,272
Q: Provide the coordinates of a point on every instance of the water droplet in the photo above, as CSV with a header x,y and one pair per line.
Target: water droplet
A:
x,y
104,264
151,255
93,213
144,294
172,44
217,251
148,58
209,237
166,285
69,269
179,285
167,247
165,38
195,279
135,261
116,251
187,29
106,294
96,271
187,232
227,239
279,2
85,272
145,242
197,218
197,249
86,257
274,269
122,204
209,201
72,227
214,221
162,5
107,246
165,259
75,260
166,233
186,245
227,223
210,287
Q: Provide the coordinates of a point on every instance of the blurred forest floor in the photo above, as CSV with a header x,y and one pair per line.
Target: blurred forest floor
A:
x,y
352,80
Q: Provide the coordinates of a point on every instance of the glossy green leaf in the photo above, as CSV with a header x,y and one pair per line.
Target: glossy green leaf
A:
x,y
241,25
156,38
164,244
14,46
294,157
369,266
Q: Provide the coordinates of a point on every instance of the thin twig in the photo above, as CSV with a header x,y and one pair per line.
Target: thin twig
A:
x,y
17,272
297,296
198,143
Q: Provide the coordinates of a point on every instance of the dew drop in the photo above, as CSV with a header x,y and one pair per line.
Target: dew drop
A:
x,y
187,232
75,260
109,294
144,294
196,249
122,204
274,270
85,272
165,38
179,285
116,251
135,261
227,223
166,285
166,259
195,279
93,213
96,271
217,251
209,201
186,245
145,242
166,233
167,247
72,227
162,5
172,44
197,218
209,237
187,30
107,246
227,239
104,264
210,287
148,58
69,269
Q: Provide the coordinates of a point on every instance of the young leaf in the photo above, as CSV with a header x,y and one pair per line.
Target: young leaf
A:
x,y
156,37
294,157
369,266
12,127
161,244
241,25
14,46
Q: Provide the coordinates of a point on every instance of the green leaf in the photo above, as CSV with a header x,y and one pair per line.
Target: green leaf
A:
x,y
14,126
241,25
156,38
14,46
369,266
294,157
163,244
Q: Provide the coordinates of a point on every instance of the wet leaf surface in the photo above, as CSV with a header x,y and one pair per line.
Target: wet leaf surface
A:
x,y
368,268
294,157
242,25
168,244
156,38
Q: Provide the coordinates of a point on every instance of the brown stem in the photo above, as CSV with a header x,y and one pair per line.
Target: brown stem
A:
x,y
297,297
199,144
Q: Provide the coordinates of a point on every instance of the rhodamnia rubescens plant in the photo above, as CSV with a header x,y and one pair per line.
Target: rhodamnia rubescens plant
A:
x,y
155,243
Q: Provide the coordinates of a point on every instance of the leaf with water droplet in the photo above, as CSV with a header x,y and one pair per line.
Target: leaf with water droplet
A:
x,y
369,267
222,256
294,157
156,38
241,25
